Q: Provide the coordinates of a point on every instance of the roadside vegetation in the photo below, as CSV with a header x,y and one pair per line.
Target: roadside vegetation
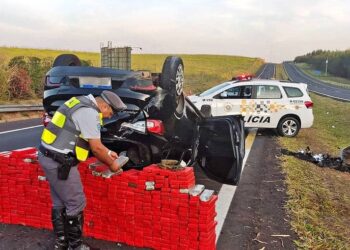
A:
x,y
280,73
319,198
334,80
338,62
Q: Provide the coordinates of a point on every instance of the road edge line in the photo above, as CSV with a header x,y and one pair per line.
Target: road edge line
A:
x,y
227,192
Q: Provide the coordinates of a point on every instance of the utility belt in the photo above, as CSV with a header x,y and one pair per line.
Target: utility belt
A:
x,y
66,161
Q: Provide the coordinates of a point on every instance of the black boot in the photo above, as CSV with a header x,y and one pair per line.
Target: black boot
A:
x,y
58,219
74,230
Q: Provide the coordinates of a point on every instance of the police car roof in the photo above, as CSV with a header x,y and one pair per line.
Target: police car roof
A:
x,y
257,81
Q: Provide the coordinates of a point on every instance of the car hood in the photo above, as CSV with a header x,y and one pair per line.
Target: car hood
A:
x,y
194,98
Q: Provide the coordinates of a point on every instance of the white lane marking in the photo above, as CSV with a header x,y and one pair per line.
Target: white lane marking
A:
x,y
15,130
262,71
227,192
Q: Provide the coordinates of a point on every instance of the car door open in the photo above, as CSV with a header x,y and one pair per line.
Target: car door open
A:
x,y
218,148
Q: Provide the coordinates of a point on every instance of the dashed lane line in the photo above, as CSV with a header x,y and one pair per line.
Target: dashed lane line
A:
x,y
227,192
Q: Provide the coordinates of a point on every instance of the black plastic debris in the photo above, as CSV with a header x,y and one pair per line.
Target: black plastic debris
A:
x,y
341,163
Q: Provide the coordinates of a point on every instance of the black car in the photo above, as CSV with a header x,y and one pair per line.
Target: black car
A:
x,y
159,122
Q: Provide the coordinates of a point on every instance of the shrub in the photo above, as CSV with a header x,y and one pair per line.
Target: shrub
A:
x,y
18,61
4,93
19,83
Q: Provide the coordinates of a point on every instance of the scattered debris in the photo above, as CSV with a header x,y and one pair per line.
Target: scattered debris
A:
x,y
281,242
280,235
341,163
256,239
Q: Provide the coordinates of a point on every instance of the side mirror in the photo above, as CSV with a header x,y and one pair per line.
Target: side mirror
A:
x,y
206,110
223,94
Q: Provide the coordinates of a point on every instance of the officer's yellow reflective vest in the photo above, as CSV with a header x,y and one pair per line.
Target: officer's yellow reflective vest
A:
x,y
61,132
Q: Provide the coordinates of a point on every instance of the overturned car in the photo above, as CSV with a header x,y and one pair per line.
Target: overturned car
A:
x,y
159,122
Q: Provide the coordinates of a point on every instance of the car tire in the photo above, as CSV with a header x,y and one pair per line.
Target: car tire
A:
x,y
67,60
288,127
172,80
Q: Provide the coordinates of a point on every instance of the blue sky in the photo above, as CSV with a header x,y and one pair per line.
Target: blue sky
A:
x,y
270,29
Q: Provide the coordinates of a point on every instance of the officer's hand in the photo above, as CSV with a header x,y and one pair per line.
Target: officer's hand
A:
x,y
115,167
112,154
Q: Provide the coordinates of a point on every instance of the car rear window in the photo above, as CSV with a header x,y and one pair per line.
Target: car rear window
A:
x,y
268,92
293,92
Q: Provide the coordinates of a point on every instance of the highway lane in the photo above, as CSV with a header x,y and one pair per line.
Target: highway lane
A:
x,y
315,85
20,134
268,71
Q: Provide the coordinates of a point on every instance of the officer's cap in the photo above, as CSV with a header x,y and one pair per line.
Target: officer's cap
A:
x,y
113,100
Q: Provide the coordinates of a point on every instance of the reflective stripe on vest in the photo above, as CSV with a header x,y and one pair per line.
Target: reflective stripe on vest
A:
x,y
61,132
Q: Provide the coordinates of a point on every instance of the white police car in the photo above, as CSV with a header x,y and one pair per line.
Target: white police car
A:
x,y
277,104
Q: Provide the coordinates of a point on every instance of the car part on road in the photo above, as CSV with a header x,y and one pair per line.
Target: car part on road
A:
x,y
323,160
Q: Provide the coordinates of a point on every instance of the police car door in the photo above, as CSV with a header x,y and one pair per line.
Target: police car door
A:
x,y
263,110
227,102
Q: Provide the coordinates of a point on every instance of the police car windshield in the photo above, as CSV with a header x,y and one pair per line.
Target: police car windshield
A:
x,y
214,89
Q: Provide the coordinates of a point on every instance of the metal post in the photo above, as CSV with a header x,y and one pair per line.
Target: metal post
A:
x,y
326,65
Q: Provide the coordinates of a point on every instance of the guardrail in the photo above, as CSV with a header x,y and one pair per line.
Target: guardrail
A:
x,y
20,108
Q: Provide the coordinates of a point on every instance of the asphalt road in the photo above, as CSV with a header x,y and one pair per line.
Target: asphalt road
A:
x,y
267,71
315,85
20,134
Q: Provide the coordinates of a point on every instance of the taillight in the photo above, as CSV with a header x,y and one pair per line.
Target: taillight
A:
x,y
152,126
46,119
309,104
155,126
52,82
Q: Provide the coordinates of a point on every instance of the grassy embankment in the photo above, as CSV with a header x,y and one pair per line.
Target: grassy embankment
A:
x,y
319,198
334,80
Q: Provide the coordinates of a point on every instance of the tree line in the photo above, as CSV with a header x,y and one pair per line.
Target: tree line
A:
x,y
23,77
338,61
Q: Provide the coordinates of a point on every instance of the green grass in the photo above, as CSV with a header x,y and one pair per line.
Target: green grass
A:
x,y
280,72
6,53
338,81
319,198
202,71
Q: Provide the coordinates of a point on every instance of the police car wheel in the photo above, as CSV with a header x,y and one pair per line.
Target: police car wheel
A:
x,y
67,60
288,127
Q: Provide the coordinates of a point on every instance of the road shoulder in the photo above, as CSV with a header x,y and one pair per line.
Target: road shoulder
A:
x,y
257,217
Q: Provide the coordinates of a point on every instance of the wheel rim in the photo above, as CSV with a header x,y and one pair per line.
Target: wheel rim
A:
x,y
289,127
179,80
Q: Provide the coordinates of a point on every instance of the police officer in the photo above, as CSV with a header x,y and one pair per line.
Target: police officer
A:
x,y
67,139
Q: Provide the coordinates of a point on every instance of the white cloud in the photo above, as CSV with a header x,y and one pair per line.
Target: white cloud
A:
x,y
274,30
